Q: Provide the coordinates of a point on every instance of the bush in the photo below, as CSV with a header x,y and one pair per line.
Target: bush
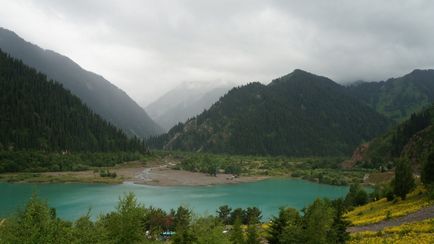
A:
x,y
107,173
356,196
404,181
428,170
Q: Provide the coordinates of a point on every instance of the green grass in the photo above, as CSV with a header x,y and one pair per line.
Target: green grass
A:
x,y
415,232
382,209
323,170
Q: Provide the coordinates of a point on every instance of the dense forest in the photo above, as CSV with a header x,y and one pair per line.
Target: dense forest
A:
x,y
398,98
300,114
39,114
411,140
104,98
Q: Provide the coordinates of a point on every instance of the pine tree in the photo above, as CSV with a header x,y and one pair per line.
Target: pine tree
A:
x,y
428,170
404,181
237,236
252,235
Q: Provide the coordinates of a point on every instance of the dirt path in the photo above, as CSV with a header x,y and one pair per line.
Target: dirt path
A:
x,y
420,215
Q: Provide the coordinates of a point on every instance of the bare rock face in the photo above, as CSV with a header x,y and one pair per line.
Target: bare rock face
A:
x,y
358,155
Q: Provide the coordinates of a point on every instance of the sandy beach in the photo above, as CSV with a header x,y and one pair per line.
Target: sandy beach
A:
x,y
157,175
165,176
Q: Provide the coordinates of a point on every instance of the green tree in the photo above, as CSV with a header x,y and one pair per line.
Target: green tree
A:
x,y
86,231
238,213
209,230
428,170
253,215
126,224
182,217
212,169
318,220
36,224
356,196
404,181
223,213
184,236
339,228
237,236
252,235
286,227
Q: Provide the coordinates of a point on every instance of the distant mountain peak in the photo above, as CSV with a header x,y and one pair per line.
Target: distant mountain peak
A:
x,y
300,72
299,76
186,101
298,114
421,72
397,98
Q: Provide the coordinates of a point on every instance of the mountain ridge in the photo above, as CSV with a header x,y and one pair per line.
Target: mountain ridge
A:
x,y
100,95
398,98
184,102
297,114
39,114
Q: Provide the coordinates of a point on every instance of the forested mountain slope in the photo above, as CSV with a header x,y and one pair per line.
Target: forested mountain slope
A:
x,y
398,98
39,114
299,114
413,139
105,99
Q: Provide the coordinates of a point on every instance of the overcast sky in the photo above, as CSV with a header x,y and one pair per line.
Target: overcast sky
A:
x,y
147,47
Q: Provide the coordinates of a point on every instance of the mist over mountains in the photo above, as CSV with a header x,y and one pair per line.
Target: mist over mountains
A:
x,y
397,98
104,98
185,101
297,114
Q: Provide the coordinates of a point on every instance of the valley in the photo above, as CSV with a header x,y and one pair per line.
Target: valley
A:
x,y
210,122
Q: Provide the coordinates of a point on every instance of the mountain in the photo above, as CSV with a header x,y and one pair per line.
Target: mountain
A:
x,y
298,114
105,99
39,114
185,101
413,139
398,98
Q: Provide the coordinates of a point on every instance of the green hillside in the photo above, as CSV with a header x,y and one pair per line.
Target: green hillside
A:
x,y
398,98
101,96
413,139
39,114
299,114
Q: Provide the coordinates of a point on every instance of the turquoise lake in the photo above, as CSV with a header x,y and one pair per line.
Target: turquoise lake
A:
x,y
74,200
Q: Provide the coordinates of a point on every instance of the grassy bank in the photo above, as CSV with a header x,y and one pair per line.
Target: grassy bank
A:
x,y
119,173
326,170
382,209
409,233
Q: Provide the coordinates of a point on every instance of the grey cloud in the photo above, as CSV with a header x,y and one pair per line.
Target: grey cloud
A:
x,y
147,47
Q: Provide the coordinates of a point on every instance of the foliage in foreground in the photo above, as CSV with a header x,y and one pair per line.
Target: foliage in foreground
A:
x,y
417,233
383,209
131,222
321,223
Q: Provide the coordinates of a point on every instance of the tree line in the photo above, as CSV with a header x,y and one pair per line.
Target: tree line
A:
x,y
132,222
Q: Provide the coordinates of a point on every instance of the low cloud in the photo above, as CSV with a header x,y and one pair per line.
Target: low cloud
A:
x,y
148,47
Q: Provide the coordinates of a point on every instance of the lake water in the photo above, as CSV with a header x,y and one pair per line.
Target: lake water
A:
x,y
74,200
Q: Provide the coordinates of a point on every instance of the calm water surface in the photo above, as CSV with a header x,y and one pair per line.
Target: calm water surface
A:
x,y
74,200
